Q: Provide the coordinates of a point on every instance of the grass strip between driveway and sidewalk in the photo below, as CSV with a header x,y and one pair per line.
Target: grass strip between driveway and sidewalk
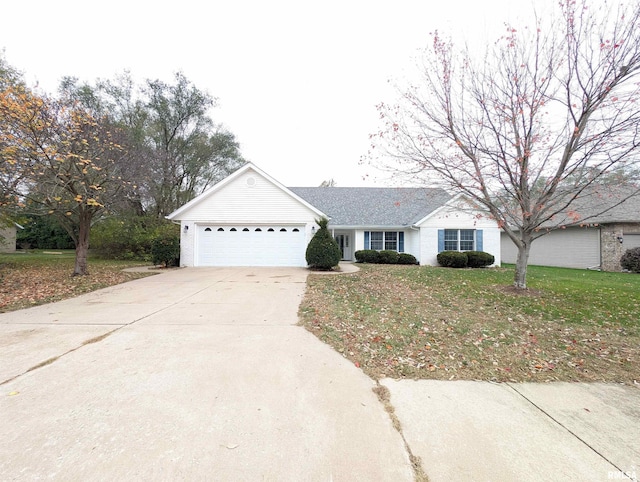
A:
x,y
438,323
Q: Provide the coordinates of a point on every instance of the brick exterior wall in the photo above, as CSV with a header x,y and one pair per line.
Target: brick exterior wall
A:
x,y
611,247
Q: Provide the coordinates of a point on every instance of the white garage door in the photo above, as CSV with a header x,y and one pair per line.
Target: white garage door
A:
x,y
251,246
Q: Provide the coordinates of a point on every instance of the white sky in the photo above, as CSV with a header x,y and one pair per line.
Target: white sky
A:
x,y
297,80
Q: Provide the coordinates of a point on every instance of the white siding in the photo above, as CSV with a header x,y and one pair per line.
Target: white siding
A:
x,y
187,243
458,216
249,199
567,248
242,202
412,242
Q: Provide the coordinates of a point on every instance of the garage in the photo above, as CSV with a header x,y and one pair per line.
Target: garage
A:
x,y
250,245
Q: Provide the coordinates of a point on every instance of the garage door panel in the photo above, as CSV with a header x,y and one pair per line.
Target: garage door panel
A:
x,y
251,246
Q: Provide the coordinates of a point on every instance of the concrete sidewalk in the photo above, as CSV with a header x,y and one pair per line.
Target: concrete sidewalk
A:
x,y
466,430
206,377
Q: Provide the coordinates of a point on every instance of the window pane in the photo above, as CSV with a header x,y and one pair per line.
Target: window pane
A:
x,y
376,240
451,240
466,240
391,240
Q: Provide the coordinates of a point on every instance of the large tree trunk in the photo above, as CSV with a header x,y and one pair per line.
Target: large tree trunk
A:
x,y
82,246
520,277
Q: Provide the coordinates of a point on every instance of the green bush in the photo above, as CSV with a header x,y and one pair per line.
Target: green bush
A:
x,y
631,260
43,232
125,237
323,252
367,256
165,247
479,259
452,259
406,258
388,256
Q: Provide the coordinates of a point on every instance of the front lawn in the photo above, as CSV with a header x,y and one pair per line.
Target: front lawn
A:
x,y
34,278
441,323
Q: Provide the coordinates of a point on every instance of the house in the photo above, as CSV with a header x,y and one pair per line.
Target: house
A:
x,y
8,237
610,226
250,219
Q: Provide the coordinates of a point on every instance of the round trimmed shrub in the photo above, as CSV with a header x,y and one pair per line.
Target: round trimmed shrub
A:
x,y
479,259
406,258
367,256
388,256
452,259
631,260
323,253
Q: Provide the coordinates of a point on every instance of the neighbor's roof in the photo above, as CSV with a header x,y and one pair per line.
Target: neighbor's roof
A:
x,y
373,206
603,205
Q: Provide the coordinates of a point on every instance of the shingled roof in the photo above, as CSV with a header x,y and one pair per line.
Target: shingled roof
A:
x,y
373,206
604,204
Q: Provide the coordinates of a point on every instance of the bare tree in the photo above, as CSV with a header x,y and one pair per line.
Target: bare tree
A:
x,y
531,129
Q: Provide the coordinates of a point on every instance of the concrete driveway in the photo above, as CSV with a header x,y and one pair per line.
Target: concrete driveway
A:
x,y
193,374
201,374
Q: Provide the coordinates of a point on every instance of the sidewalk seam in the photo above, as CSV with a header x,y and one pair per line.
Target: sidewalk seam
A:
x,y
548,415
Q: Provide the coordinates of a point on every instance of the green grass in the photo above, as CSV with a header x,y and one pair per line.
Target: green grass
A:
x,y
430,322
571,295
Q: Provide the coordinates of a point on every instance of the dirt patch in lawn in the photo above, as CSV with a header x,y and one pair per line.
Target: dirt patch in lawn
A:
x,y
419,322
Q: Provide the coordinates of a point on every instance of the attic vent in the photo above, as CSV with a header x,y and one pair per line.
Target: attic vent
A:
x,y
251,181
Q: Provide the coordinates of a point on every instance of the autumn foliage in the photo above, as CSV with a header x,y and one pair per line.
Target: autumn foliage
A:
x,y
59,159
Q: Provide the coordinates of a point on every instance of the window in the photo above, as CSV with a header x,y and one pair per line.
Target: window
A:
x,y
379,240
220,229
258,230
391,241
207,230
459,239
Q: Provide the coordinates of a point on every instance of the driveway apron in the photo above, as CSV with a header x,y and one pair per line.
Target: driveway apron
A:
x,y
193,374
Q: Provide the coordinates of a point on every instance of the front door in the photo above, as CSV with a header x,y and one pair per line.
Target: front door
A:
x,y
343,242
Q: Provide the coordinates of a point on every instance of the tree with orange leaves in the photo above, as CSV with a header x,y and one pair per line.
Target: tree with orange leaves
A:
x,y
59,158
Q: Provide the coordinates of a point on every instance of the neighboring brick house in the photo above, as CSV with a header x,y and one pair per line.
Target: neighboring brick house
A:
x,y
597,243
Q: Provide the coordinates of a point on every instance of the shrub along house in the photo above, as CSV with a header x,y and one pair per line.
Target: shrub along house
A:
x,y
250,219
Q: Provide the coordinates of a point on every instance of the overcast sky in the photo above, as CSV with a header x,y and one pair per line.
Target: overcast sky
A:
x,y
297,81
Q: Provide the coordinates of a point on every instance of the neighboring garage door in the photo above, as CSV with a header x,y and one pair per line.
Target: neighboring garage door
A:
x,y
250,245
568,248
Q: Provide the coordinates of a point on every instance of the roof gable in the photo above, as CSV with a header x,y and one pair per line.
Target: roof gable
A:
x,y
227,182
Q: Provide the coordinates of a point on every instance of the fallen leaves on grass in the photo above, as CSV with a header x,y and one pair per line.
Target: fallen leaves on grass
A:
x,y
24,285
393,322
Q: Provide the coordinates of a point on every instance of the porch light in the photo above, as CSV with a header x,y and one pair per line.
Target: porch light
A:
x,y
185,230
